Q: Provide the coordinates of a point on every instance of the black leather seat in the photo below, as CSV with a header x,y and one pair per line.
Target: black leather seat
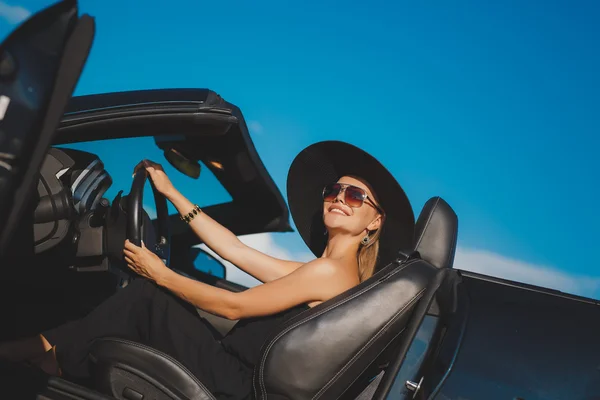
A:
x,y
436,233
327,352
129,370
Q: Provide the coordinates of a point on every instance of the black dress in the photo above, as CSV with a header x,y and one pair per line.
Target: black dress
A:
x,y
145,313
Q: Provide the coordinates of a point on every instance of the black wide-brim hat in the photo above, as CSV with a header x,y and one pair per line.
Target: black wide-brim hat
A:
x,y
325,162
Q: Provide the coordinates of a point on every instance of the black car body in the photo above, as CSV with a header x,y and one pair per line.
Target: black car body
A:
x,y
466,336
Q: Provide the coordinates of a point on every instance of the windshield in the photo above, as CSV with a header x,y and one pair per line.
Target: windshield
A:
x,y
492,107
120,156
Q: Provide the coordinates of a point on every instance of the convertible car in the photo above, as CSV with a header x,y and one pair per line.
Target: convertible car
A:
x,y
419,328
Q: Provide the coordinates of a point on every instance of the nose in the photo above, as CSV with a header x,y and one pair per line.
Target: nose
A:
x,y
341,197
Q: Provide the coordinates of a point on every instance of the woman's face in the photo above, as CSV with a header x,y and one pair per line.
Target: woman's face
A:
x,y
339,216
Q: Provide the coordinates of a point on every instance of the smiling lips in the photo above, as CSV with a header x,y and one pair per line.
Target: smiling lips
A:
x,y
338,210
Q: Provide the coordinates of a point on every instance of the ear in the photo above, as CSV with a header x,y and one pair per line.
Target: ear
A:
x,y
376,224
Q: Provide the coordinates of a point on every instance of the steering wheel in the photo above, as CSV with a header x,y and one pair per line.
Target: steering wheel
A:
x,y
135,217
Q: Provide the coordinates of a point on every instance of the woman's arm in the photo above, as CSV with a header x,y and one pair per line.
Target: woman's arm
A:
x,y
220,239
223,242
318,280
314,281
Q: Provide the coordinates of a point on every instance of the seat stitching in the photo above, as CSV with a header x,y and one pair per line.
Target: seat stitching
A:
x,y
168,357
361,351
376,356
364,290
271,343
434,289
437,200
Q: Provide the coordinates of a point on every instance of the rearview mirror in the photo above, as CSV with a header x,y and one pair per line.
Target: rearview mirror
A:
x,y
183,164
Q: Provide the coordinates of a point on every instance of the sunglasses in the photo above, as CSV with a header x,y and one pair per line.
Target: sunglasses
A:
x,y
353,196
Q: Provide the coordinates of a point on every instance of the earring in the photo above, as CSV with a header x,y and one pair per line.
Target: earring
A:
x,y
365,240
325,232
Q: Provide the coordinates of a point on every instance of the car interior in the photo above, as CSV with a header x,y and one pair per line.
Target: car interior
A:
x,y
77,230
61,245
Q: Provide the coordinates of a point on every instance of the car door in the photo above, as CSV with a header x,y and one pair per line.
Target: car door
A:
x,y
524,342
502,340
40,64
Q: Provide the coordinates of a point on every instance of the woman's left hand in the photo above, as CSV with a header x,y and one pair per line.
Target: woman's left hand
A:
x,y
144,262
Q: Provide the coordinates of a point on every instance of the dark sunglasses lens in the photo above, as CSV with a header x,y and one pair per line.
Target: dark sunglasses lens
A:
x,y
331,191
354,196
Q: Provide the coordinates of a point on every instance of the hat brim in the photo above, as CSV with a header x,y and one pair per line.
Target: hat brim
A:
x,y
325,162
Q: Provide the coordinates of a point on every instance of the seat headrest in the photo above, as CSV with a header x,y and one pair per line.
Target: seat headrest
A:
x,y
436,233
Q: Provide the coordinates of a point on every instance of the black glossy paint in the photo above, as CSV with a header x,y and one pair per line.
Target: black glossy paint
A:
x,y
103,101
31,60
525,343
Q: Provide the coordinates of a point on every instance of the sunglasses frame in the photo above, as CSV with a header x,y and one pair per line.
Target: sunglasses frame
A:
x,y
365,196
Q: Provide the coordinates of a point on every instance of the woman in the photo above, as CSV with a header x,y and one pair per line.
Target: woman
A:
x,y
340,198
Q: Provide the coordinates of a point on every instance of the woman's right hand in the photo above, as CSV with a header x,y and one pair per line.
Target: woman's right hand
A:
x,y
159,178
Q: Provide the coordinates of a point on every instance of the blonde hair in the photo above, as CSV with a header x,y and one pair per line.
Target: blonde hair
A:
x,y
367,255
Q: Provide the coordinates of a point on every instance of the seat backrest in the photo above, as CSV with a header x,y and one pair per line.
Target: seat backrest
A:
x,y
321,352
436,233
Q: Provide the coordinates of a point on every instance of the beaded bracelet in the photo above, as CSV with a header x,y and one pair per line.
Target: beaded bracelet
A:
x,y
190,216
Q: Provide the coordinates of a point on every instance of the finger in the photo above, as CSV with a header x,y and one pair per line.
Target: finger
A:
x,y
143,245
131,247
129,261
133,266
151,172
151,165
129,254
138,167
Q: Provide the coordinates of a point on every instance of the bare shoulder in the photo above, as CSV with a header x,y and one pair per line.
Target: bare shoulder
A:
x,y
323,266
327,269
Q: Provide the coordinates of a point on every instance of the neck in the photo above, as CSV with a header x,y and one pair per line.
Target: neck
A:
x,y
342,247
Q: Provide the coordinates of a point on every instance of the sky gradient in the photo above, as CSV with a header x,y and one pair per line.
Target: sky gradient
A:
x,y
494,107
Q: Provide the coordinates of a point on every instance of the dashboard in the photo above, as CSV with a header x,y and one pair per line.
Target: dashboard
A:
x,y
75,225
71,184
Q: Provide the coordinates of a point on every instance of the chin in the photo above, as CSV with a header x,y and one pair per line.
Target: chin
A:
x,y
334,221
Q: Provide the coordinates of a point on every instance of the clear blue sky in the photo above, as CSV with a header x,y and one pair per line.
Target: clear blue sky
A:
x,y
495,107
